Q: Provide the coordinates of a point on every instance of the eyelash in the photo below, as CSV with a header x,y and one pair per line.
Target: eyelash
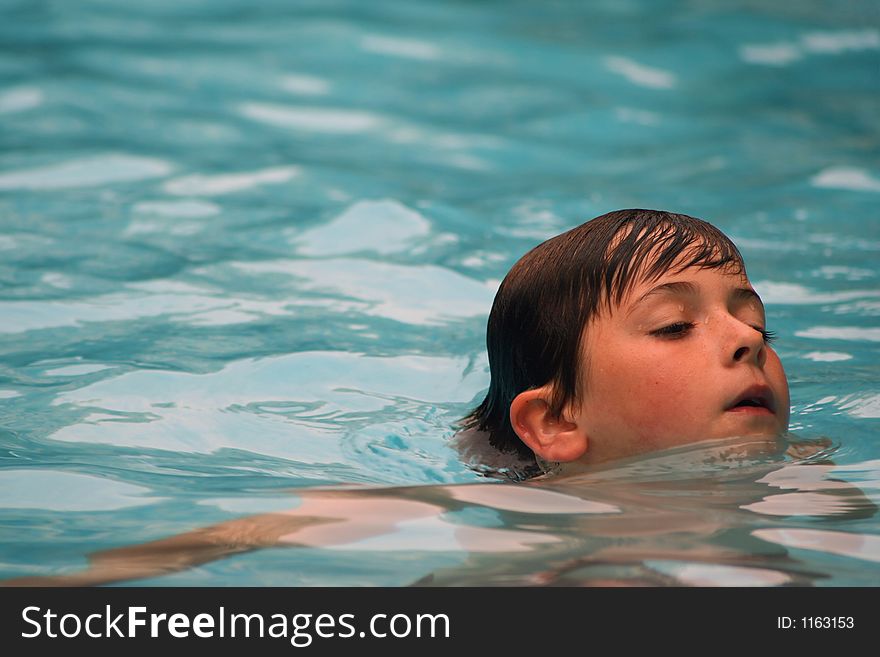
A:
x,y
680,329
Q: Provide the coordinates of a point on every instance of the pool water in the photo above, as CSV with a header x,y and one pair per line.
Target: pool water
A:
x,y
248,249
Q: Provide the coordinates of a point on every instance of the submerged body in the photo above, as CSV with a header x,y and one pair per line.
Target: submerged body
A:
x,y
721,512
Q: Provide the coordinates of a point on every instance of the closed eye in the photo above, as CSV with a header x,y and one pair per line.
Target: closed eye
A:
x,y
769,336
677,330
681,329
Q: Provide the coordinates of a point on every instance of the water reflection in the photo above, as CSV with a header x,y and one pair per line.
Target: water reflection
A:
x,y
727,513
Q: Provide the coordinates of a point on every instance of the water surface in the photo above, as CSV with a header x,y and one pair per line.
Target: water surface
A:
x,y
248,249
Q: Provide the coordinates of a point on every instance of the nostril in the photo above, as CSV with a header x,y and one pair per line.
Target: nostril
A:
x,y
740,353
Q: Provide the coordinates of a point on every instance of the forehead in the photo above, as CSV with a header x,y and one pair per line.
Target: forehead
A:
x,y
693,282
731,274
653,272
636,257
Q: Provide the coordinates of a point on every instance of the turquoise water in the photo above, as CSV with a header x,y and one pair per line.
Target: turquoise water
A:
x,y
249,248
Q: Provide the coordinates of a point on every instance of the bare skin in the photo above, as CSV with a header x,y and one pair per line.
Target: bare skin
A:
x,y
653,527
324,518
666,368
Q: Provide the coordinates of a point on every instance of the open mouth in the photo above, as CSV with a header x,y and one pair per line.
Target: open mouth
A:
x,y
753,402
757,399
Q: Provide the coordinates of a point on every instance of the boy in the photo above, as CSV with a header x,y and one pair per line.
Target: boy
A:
x,y
635,331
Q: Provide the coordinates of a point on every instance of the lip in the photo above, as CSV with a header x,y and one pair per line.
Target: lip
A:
x,y
760,393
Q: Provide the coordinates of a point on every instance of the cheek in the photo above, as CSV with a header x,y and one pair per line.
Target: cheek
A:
x,y
776,372
779,382
669,403
650,393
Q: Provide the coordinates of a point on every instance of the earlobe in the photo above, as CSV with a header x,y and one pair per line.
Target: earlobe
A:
x,y
550,437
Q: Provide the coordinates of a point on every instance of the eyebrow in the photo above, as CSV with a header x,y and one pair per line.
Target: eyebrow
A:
x,y
685,288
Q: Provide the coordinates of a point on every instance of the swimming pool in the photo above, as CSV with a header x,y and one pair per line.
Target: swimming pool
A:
x,y
246,250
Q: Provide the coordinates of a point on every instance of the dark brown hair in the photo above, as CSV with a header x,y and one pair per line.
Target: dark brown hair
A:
x,y
549,296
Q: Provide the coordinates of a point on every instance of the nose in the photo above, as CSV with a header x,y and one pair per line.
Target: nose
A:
x,y
747,344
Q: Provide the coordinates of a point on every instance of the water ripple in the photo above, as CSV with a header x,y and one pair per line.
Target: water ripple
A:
x,y
383,227
782,53
306,85
421,295
858,546
854,333
86,172
645,76
398,47
207,412
228,183
849,178
312,119
773,292
39,488
20,99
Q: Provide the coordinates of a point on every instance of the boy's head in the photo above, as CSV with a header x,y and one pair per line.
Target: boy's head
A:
x,y
635,331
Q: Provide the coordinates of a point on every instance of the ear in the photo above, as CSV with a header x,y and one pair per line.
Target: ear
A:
x,y
550,437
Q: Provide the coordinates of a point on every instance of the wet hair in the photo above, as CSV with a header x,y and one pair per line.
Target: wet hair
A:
x,y
536,325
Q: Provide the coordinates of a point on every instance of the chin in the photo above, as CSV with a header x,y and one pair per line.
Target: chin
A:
x,y
754,424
